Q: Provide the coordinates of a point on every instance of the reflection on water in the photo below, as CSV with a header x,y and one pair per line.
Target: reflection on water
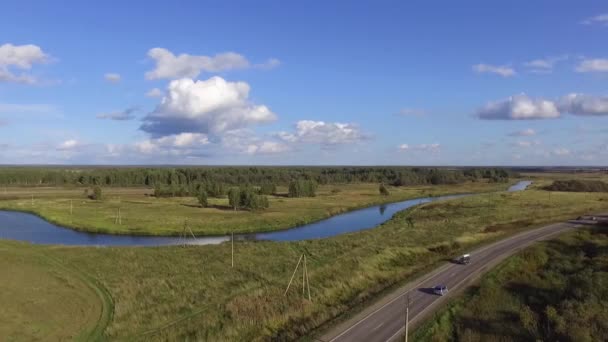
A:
x,y
382,208
28,227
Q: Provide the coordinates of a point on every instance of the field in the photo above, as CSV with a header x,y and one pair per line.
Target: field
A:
x,y
554,291
143,214
44,300
177,293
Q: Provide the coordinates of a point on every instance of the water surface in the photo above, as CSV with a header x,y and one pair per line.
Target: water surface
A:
x,y
27,227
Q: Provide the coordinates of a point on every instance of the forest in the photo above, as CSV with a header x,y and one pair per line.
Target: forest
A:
x,y
220,177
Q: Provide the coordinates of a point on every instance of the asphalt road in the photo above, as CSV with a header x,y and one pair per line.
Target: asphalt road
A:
x,y
385,320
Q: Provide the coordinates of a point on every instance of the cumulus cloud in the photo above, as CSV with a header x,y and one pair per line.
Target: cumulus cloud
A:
x,y
245,141
212,106
434,148
523,133
502,70
581,104
68,145
593,65
122,115
181,143
154,92
519,107
168,65
112,77
601,19
323,133
21,57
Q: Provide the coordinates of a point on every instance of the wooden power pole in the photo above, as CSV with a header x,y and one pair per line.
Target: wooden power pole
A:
x,y
407,315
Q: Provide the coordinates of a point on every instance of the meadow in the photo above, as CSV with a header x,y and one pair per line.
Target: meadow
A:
x,y
143,214
193,293
553,291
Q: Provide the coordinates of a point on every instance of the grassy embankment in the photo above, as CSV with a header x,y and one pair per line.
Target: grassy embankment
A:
x,y
143,214
192,293
553,291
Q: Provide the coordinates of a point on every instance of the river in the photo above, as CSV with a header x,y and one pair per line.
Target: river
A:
x,y
27,227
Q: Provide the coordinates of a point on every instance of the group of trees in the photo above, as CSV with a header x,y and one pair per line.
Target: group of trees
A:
x,y
247,198
302,188
578,186
184,177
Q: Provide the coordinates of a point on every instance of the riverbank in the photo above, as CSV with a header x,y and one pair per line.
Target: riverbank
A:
x,y
142,214
169,293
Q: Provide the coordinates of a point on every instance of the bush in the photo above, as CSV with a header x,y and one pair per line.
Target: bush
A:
x,y
578,186
96,195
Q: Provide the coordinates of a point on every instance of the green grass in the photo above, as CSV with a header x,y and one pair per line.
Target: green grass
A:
x,y
192,293
553,291
142,214
44,300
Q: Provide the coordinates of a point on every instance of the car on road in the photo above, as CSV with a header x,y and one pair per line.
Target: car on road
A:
x,y
464,259
440,290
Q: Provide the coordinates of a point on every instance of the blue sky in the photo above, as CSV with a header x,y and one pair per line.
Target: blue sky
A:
x,y
328,82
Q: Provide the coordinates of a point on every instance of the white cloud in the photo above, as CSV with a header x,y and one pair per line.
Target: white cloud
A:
x,y
154,92
122,115
112,77
526,143
183,143
519,107
581,104
593,65
502,70
434,148
21,57
169,65
523,133
323,133
271,63
544,65
601,19
212,106
68,145
246,142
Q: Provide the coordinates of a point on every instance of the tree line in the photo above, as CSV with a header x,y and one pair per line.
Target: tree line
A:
x,y
183,178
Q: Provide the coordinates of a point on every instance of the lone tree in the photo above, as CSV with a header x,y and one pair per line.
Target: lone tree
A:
x,y
202,198
234,197
96,193
383,190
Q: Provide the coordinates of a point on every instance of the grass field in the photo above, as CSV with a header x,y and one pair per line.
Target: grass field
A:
x,y
553,291
190,293
143,214
43,300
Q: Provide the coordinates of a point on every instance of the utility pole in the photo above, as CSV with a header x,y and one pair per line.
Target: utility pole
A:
x,y
232,242
407,315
